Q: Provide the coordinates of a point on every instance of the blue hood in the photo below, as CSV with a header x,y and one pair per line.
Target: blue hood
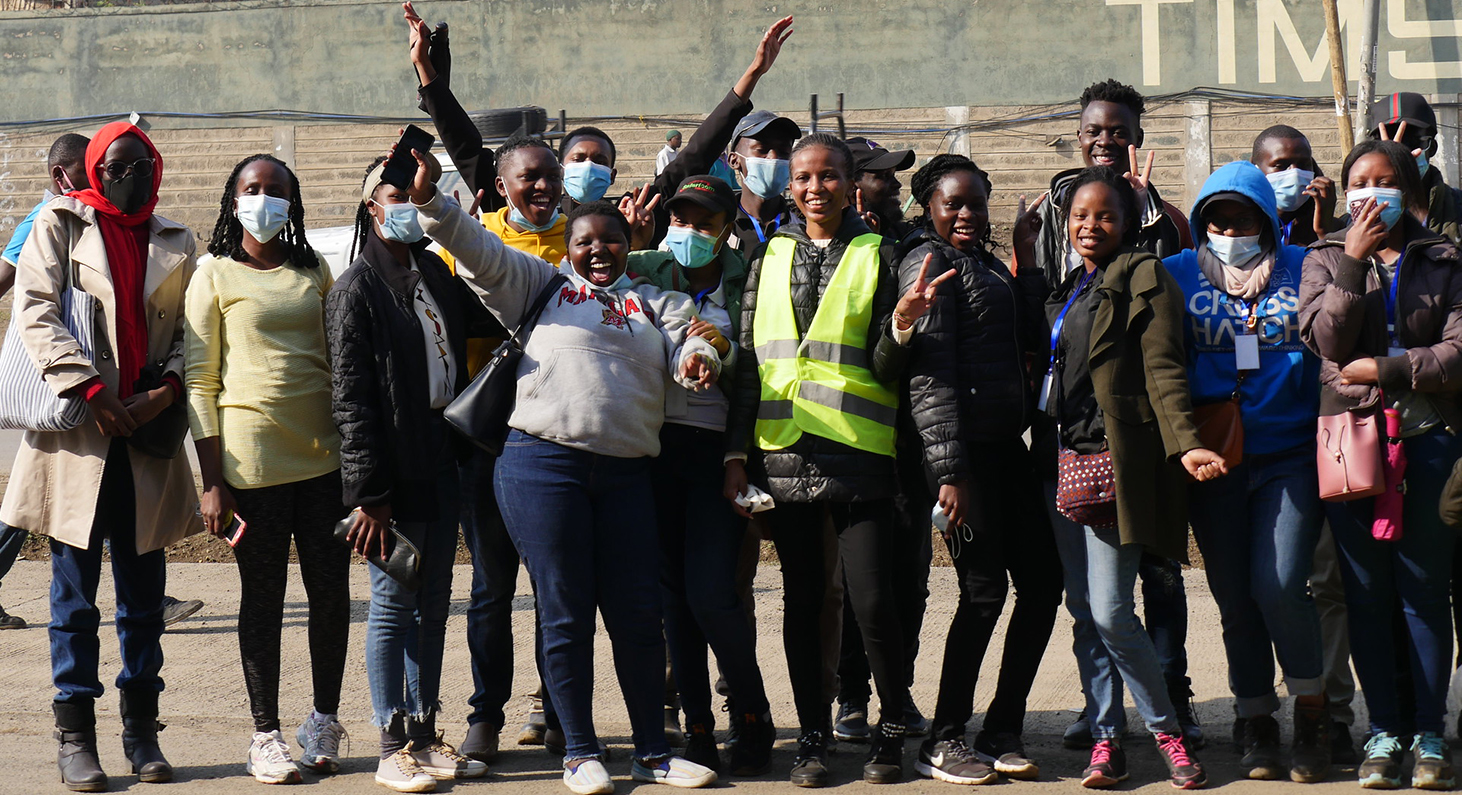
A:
x,y
1245,179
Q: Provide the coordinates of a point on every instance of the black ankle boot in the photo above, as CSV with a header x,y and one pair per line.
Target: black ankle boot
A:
x,y
139,737
81,771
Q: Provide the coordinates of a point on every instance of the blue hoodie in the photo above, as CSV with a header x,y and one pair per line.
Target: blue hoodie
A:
x,y
1280,400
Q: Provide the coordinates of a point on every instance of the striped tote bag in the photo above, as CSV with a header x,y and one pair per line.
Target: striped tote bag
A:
x,y
27,402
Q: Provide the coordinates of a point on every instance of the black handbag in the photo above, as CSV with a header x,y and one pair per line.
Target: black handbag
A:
x,y
163,436
403,559
481,411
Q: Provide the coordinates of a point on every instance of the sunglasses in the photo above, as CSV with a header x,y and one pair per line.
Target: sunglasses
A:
x,y
119,170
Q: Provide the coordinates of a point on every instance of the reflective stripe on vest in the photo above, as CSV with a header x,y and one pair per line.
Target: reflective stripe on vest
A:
x,y
820,384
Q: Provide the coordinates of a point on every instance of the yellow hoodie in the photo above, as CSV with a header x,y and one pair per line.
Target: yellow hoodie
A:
x,y
548,244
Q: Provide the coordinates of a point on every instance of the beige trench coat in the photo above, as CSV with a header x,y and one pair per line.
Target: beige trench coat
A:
x,y
57,476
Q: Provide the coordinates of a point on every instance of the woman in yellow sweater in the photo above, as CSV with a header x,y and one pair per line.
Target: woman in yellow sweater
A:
x,y
258,385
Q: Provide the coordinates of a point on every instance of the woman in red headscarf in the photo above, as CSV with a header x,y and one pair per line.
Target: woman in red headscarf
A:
x,y
89,483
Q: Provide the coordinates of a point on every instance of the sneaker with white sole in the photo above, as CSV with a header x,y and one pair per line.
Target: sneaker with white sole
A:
x,y
320,744
441,760
673,770
269,761
401,773
587,777
952,761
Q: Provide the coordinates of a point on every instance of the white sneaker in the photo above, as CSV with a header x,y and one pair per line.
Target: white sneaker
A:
x,y
320,744
269,761
672,770
587,777
401,773
441,760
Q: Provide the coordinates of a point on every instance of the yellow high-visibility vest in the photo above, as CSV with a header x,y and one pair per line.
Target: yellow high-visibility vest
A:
x,y
821,384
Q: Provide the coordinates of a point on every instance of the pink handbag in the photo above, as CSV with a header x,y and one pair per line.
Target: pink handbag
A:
x,y
1348,456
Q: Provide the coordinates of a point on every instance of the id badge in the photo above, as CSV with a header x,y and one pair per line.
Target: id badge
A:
x,y
1246,351
1045,392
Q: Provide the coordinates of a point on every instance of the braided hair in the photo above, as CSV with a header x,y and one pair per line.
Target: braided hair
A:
x,y
363,219
926,180
228,233
830,142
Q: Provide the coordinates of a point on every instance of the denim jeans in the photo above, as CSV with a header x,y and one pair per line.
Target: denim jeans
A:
x,y
1110,644
1258,528
405,630
494,583
700,541
1165,612
584,525
1417,569
139,581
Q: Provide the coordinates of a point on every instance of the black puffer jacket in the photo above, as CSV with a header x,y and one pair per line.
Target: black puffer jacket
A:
x,y
967,377
816,469
391,440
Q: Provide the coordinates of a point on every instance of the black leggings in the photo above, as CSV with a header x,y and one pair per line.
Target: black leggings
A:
x,y
306,510
868,544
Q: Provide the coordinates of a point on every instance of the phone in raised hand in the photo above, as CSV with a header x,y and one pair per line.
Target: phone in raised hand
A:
x,y
401,168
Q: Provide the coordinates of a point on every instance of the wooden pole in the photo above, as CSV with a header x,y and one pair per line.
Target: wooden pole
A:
x,y
1337,77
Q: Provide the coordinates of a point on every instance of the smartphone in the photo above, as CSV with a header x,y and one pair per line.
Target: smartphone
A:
x,y
235,531
401,168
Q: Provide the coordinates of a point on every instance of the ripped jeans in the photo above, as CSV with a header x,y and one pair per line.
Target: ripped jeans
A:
x,y
407,630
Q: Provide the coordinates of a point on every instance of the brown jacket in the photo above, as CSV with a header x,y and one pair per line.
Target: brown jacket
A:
x,y
56,477
1343,318
1140,377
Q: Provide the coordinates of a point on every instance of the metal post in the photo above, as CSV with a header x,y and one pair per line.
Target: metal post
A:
x,y
1337,77
812,114
1366,93
842,126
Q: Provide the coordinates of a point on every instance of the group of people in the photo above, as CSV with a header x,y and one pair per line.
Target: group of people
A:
x,y
792,359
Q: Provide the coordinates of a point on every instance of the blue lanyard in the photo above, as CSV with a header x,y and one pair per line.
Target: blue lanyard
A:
x,y
761,234
1061,318
1391,303
1284,232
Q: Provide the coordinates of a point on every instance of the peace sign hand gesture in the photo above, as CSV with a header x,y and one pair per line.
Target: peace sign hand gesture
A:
x,y
641,216
1400,133
920,297
1140,180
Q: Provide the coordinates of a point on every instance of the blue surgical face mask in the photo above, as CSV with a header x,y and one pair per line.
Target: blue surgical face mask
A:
x,y
767,177
1391,197
518,218
1422,164
1289,187
263,216
399,222
691,248
586,181
1234,251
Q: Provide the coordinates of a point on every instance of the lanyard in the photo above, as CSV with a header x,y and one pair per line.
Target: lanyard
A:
x,y
1284,232
772,226
1061,318
1391,303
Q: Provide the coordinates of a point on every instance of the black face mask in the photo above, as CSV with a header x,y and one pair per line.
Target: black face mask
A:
x,y
129,193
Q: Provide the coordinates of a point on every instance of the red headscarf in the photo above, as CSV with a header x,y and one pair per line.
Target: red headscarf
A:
x,y
125,237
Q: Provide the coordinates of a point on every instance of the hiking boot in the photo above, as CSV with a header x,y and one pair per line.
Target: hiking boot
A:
x,y
481,742
675,771
1381,767
1184,770
1108,765
851,724
401,773
535,727
885,763
952,761
175,610
1077,736
139,737
320,743
915,724
752,754
1433,762
269,761
440,760
1342,747
700,747
8,621
76,756
1311,752
809,767
1261,748
1006,753
1182,697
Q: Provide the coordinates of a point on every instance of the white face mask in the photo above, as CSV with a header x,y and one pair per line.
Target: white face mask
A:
x,y
400,222
262,216
1234,251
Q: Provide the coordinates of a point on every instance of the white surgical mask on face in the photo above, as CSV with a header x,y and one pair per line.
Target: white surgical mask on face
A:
x,y
1234,251
399,222
262,216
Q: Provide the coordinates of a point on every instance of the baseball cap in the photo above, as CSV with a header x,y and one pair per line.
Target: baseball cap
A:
x,y
759,121
869,156
1405,106
707,191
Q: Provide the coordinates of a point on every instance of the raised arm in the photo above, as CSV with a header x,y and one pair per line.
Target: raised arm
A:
x,y
460,136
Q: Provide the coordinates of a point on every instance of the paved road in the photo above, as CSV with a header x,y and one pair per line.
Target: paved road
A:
x,y
209,727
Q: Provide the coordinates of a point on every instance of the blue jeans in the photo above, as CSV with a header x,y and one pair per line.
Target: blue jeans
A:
x,y
1165,612
1258,528
405,630
700,540
584,525
139,581
1110,644
1417,569
494,583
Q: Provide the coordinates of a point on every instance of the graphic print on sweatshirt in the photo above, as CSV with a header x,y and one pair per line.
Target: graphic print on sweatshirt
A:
x,y
615,314
1215,317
